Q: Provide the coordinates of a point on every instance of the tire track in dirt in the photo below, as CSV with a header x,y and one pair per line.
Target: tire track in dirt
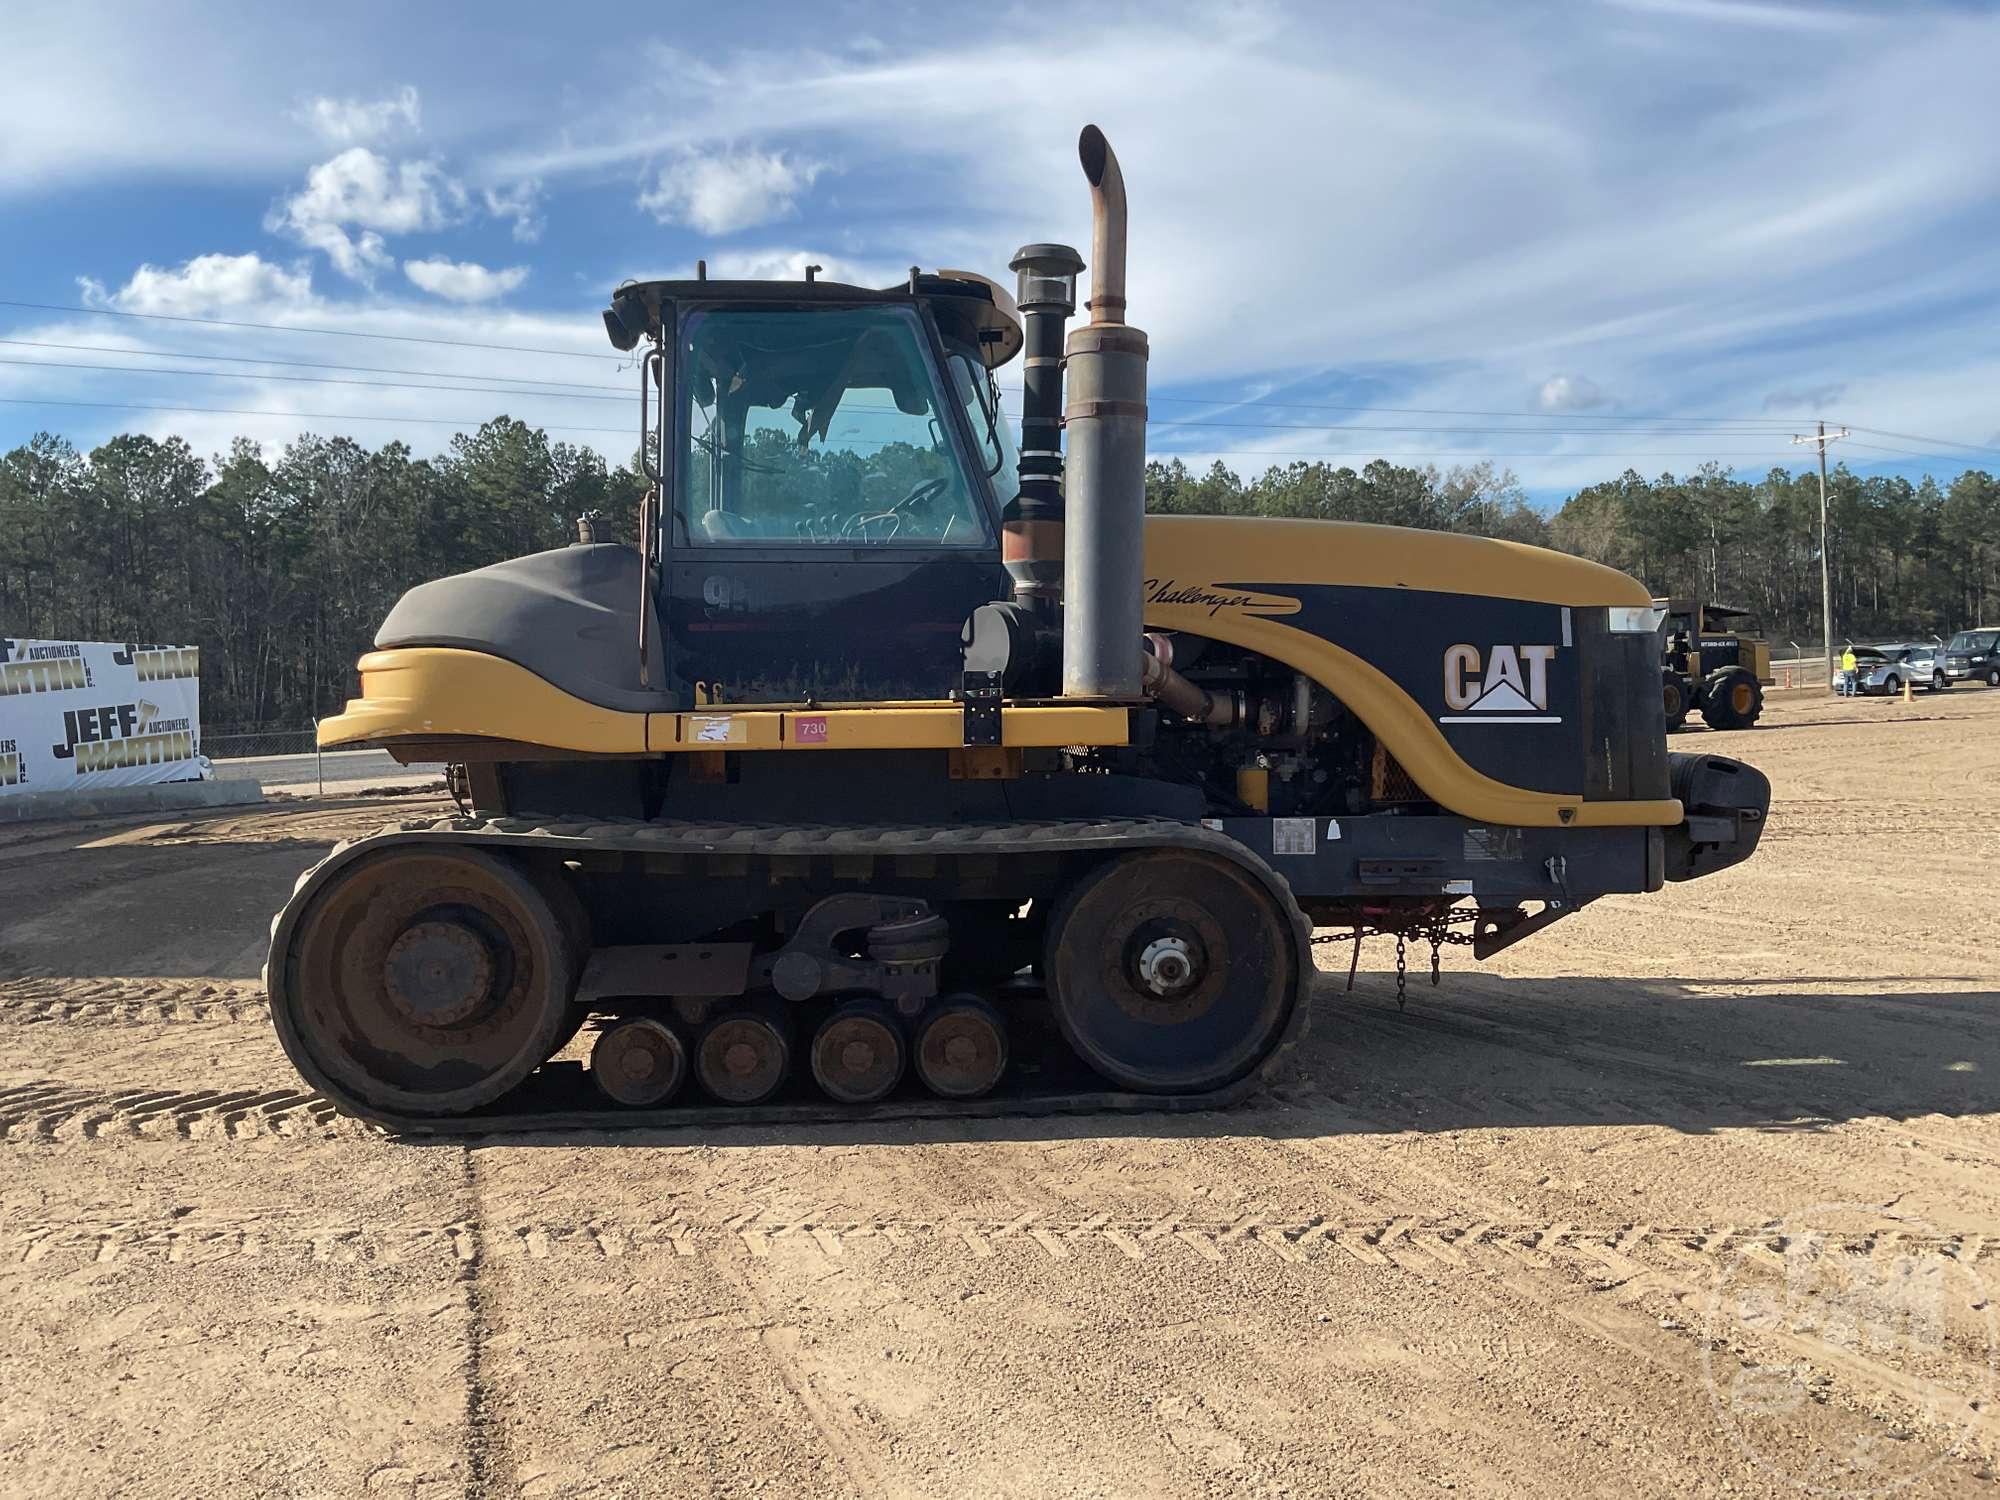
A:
x,y
1563,1045
124,1001
51,1111
1715,1090
1433,1245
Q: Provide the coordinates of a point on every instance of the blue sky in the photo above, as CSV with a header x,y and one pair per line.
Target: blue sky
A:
x,y
1546,234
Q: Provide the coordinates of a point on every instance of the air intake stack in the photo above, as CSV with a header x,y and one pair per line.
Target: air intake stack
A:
x,y
1032,527
1105,485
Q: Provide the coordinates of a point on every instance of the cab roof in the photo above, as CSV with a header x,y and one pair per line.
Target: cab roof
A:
x,y
1714,611
967,306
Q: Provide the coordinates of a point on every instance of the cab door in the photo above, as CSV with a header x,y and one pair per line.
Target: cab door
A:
x,y
830,536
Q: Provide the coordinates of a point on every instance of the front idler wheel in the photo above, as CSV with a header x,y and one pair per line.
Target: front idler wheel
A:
x,y
858,1053
425,981
745,1053
1172,971
639,1062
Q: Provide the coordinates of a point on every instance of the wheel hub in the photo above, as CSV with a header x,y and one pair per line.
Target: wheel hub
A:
x,y
1167,966
439,973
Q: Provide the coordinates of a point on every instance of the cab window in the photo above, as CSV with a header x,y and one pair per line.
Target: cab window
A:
x,y
819,428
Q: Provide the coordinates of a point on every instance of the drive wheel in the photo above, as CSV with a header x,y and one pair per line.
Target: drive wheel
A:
x,y
1172,971
858,1053
1734,700
426,981
1675,694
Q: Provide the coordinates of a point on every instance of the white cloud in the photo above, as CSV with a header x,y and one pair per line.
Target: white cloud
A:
x,y
520,202
351,202
348,122
1747,13
1570,393
720,192
463,281
205,285
790,265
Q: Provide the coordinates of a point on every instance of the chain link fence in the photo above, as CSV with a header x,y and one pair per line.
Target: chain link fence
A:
x,y
237,750
244,741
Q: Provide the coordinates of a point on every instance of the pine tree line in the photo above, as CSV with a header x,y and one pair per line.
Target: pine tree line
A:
x,y
280,569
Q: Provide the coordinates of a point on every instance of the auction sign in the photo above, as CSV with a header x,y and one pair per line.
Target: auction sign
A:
x,y
82,715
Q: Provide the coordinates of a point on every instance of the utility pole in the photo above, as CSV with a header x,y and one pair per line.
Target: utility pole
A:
x,y
1825,571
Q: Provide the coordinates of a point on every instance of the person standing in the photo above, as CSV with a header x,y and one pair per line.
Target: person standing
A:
x,y
1848,667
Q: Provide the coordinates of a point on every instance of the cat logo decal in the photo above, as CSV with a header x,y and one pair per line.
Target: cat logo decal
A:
x,y
1504,685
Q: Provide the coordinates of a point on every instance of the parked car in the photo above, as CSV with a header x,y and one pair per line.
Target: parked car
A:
x,y
1915,663
1974,656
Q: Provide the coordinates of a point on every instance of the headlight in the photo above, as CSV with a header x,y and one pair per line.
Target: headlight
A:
x,y
1634,619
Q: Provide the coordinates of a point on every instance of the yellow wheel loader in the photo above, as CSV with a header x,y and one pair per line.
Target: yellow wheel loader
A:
x,y
901,769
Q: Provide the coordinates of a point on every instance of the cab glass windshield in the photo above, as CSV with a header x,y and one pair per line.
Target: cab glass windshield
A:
x,y
980,397
824,427
1967,641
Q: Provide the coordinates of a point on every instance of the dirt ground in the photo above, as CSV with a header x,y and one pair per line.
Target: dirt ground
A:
x,y
1695,1193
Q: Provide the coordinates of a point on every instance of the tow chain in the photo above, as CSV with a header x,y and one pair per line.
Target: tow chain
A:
x,y
1438,931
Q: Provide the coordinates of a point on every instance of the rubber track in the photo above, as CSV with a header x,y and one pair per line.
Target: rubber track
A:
x,y
560,1098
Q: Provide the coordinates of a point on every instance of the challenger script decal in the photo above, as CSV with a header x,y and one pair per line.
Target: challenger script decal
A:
x,y
1216,597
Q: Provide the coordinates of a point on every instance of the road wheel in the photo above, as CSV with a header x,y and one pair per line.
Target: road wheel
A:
x,y
1993,676
1733,700
1675,694
1939,682
1892,686
961,1049
743,1055
858,1053
426,981
639,1061
1172,971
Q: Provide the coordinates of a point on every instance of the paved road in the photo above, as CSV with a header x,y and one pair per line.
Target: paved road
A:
x,y
348,769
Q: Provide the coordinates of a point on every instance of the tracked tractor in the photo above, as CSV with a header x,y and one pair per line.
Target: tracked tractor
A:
x,y
1713,663
897,768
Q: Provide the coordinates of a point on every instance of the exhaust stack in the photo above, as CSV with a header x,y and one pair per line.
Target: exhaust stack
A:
x,y
1105,486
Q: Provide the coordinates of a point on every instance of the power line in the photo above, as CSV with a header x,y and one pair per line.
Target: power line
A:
x,y
589,394
386,385
1773,432
464,423
344,333
1428,411
300,364
1913,437
1445,411
315,416
1459,454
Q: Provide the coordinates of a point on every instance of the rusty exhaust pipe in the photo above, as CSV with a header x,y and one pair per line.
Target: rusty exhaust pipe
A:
x,y
1105,483
1107,226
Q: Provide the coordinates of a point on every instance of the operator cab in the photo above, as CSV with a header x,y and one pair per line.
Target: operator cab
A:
x,y
835,463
